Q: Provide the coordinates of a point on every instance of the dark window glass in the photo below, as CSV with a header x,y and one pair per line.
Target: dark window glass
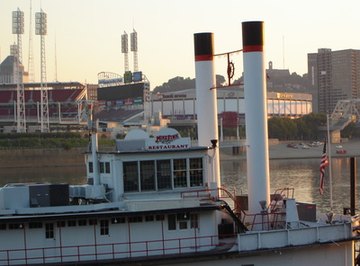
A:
x,y
82,222
104,227
163,168
71,223
131,182
92,222
147,175
49,231
91,168
172,222
33,225
160,217
102,167
60,224
183,224
149,218
196,172
107,167
194,220
118,220
180,173
16,226
2,226
135,219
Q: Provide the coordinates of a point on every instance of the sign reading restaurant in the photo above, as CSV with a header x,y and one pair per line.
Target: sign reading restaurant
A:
x,y
167,139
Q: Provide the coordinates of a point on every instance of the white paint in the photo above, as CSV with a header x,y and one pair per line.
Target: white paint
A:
x,y
94,149
256,130
207,114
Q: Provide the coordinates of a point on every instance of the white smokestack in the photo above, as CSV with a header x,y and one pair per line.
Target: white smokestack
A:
x,y
256,116
206,99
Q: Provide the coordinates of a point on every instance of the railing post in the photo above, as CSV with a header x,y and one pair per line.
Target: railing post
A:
x,y
78,253
113,251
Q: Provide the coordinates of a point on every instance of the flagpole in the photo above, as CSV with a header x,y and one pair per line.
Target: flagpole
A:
x,y
329,156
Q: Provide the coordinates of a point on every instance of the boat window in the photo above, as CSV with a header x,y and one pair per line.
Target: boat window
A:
x,y
16,226
49,230
107,167
60,224
102,168
135,219
183,224
160,217
194,220
180,173
91,168
118,220
149,218
147,175
33,225
82,222
163,173
172,222
104,227
196,172
2,226
130,176
92,222
71,223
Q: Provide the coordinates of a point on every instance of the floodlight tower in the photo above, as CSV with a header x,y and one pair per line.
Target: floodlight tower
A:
x,y
41,29
30,56
18,29
134,48
125,50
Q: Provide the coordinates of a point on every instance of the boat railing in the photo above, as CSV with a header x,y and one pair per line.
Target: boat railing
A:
x,y
272,218
114,251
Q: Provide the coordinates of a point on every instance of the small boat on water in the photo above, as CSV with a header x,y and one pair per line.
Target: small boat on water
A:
x,y
159,200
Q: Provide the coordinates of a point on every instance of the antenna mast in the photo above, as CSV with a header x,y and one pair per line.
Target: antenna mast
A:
x,y
56,79
41,29
18,29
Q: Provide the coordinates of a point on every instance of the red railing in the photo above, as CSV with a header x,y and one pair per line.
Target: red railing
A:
x,y
110,251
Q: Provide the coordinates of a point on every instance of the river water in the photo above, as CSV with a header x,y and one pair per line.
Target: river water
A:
x,y
300,174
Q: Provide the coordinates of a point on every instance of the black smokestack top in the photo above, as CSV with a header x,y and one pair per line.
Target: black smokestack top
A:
x,y
252,35
203,46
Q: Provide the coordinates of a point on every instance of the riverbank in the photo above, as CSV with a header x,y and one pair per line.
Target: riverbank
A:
x,y
36,158
281,151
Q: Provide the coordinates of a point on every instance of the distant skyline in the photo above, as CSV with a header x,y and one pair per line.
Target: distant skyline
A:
x,y
88,33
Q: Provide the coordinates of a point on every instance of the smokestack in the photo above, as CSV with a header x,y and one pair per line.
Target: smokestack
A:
x,y
256,116
206,99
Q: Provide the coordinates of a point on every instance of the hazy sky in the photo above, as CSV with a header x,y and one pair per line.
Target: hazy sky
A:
x,y
88,33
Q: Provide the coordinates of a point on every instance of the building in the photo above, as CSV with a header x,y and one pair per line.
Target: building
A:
x,y
7,71
335,75
67,106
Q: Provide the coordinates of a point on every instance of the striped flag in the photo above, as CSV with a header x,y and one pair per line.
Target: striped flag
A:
x,y
324,162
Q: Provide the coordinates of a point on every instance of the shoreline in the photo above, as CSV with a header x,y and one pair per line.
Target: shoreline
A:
x,y
35,158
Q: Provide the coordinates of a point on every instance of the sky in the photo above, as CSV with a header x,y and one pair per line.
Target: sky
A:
x,y
87,34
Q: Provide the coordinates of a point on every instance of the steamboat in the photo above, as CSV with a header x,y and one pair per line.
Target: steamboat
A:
x,y
158,200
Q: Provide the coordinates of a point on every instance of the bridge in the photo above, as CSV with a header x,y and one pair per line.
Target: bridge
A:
x,y
345,112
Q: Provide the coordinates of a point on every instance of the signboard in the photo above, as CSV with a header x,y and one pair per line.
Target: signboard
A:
x,y
128,77
167,139
137,76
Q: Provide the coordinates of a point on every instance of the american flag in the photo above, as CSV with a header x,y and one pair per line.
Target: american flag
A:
x,y
324,162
